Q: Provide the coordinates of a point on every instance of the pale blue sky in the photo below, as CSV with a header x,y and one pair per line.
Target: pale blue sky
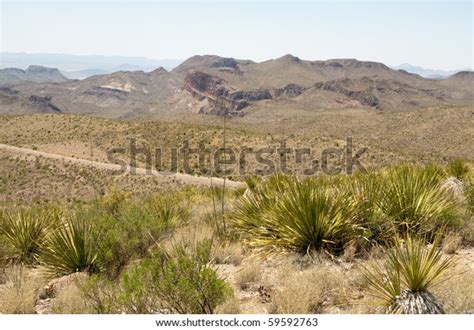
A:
x,y
431,34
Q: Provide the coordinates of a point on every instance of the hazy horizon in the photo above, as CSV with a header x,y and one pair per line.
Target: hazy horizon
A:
x,y
431,35
172,62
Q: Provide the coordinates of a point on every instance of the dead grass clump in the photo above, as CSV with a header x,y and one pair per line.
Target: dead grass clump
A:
x,y
451,243
308,291
249,275
70,300
228,254
18,294
455,294
230,306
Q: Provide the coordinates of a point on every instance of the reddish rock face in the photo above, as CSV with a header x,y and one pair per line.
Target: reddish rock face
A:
x,y
221,99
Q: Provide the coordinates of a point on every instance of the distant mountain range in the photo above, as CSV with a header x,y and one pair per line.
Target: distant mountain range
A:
x,y
428,73
34,73
216,85
83,66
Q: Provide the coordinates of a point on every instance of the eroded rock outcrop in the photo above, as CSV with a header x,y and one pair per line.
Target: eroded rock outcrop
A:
x,y
364,97
218,98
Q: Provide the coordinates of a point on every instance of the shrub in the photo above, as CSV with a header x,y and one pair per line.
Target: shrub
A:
x,y
403,280
183,280
136,294
358,211
365,190
133,229
112,201
100,295
25,230
70,248
178,281
249,210
470,196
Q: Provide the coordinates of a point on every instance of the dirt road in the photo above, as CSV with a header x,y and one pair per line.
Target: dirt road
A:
x,y
185,178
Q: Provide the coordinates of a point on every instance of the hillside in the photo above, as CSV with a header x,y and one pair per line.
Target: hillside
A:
x,y
34,73
211,84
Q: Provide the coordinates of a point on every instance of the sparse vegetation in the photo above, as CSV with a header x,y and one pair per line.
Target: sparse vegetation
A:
x,y
148,245
249,274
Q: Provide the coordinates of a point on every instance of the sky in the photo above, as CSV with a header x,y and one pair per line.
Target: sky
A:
x,y
432,34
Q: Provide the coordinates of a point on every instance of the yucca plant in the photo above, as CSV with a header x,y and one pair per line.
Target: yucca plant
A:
x,y
365,190
309,217
70,248
413,199
25,230
305,215
249,209
402,281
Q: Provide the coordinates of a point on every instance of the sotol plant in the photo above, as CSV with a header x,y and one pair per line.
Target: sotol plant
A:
x,y
302,216
70,248
402,281
413,200
25,230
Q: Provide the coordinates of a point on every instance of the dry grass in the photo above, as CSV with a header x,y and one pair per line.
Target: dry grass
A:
x,y
456,293
70,300
230,306
451,243
18,294
230,254
249,275
309,291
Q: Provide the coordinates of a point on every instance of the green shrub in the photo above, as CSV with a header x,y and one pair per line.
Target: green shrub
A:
x,y
178,281
100,295
70,248
184,281
133,229
136,294
365,191
24,231
112,201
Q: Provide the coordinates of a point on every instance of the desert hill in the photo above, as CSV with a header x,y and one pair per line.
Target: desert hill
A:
x,y
34,73
211,84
